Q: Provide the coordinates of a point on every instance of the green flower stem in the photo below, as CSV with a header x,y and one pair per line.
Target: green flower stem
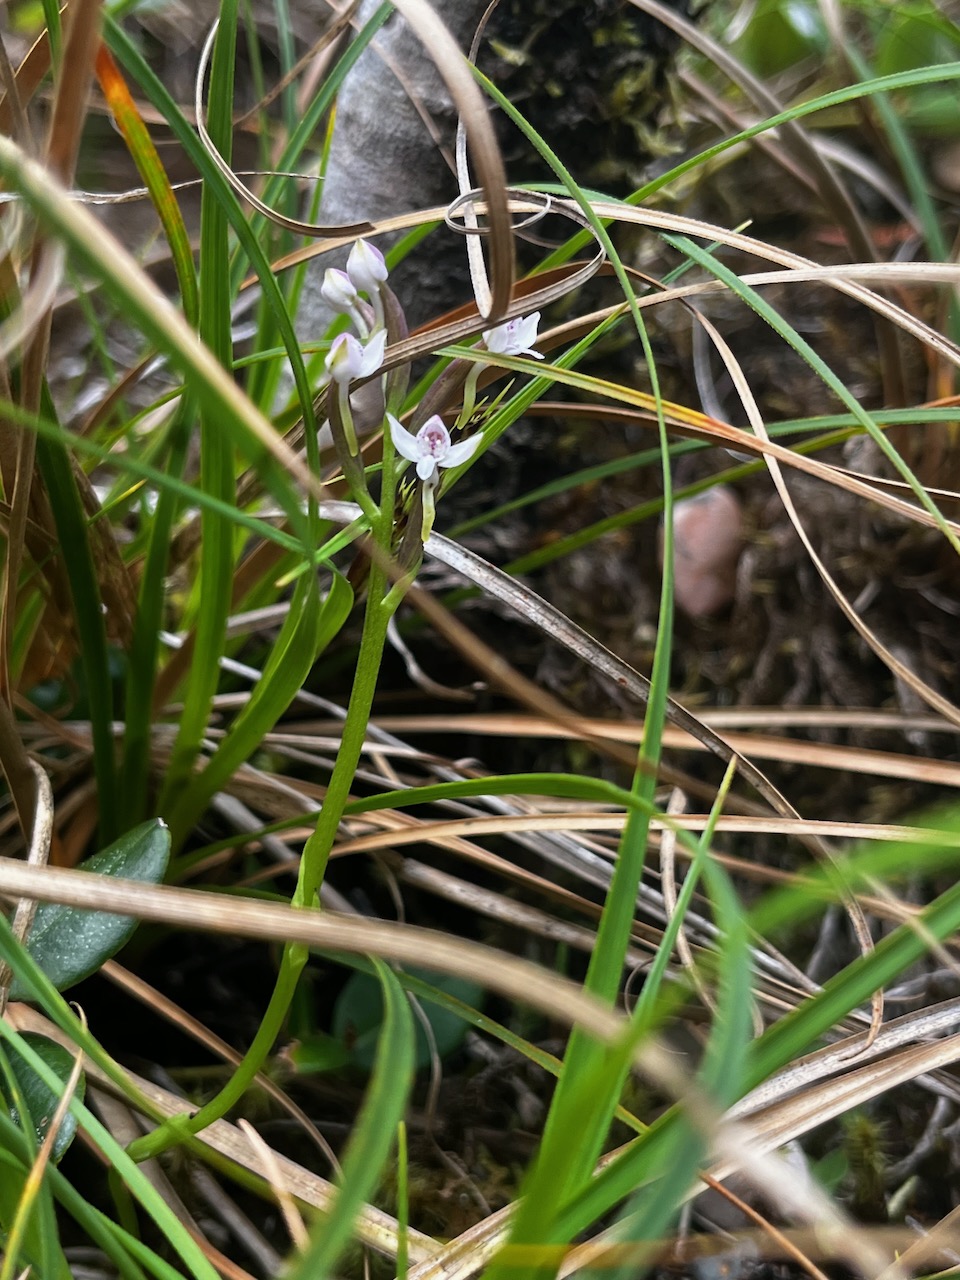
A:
x,y
177,1128
316,851
381,605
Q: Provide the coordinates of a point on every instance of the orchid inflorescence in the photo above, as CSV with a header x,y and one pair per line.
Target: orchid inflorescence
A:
x,y
350,357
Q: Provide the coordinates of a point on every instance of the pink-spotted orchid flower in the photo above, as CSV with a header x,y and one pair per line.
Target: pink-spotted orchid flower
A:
x,y
430,449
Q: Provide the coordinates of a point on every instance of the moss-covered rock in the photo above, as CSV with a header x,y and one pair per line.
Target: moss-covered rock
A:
x,y
593,79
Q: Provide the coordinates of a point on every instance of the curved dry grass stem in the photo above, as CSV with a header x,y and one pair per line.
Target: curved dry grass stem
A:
x,y
473,114
735,1145
346,231
668,887
853,908
373,1227
38,855
270,1167
517,979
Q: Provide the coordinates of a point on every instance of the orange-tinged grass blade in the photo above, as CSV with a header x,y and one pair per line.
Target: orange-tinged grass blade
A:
x,y
151,170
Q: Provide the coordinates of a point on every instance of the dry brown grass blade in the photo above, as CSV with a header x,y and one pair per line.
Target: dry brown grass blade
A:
x,y
797,1115
861,760
539,613
853,908
921,1255
668,885
21,774
162,1006
506,910
38,183
659,219
74,77
835,1060
11,106
38,853
34,1180
485,152
683,423
516,979
347,230
30,74
925,692
30,324
833,1234
193,909
339,22
782,1240
530,295
123,1124
270,1169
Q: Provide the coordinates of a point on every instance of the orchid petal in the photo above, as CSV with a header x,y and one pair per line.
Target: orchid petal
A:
x,y
344,358
404,443
514,337
460,452
373,353
426,467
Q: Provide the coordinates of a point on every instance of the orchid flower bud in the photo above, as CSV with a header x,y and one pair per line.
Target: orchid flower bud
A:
x,y
366,268
338,290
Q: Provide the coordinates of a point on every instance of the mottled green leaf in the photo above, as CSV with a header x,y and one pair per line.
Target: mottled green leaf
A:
x,y
40,1100
68,943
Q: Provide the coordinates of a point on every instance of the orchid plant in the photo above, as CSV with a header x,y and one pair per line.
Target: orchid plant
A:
x,y
362,294
430,447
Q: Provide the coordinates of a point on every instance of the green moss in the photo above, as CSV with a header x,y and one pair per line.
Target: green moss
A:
x,y
593,79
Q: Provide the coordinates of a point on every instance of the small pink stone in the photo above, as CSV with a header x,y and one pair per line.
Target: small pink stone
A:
x,y
708,539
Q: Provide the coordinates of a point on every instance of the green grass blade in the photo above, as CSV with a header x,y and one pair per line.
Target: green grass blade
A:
x,y
214,182
150,1200
306,631
535,1222
151,170
72,531
145,643
216,451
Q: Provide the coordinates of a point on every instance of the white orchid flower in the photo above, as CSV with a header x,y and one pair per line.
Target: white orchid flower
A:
x,y
348,358
431,447
515,337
